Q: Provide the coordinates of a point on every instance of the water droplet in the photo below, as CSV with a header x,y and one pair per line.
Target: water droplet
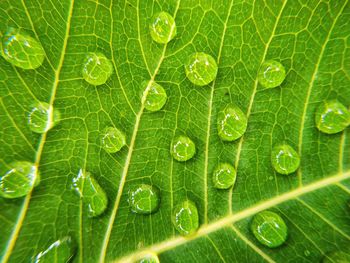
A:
x,y
43,117
143,199
269,229
201,68
94,197
332,117
112,139
149,258
284,159
336,257
224,176
162,28
232,123
22,50
271,74
97,69
62,250
155,96
185,218
182,148
19,180
307,253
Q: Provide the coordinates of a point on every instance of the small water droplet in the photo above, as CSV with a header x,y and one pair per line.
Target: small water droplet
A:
x,y
162,28
22,50
97,69
155,96
149,258
19,180
182,148
185,218
307,253
62,250
224,176
143,199
271,74
337,257
284,159
270,178
112,139
269,229
43,117
93,196
232,123
201,68
332,117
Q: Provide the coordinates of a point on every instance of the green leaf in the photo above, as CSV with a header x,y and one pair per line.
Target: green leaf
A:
x,y
309,38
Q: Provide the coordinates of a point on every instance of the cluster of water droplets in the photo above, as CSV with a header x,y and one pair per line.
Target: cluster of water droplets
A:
x,y
24,51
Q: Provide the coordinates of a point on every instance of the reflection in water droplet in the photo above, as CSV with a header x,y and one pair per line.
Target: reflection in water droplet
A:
x,y
112,139
149,258
284,159
162,28
43,117
62,250
185,218
332,117
143,199
224,176
93,196
19,180
337,257
271,74
269,229
97,69
154,96
22,50
201,68
182,148
232,123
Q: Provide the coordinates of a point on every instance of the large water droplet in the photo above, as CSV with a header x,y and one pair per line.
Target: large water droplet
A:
x,y
112,139
155,96
22,50
149,258
19,180
62,250
201,68
182,148
162,28
43,117
284,159
97,69
337,257
269,228
94,197
224,176
271,74
185,218
232,123
332,117
143,199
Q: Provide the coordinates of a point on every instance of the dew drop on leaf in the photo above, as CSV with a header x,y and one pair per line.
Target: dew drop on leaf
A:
x,y
97,69
182,148
22,50
149,258
224,176
185,218
231,123
201,68
269,229
162,28
271,74
155,96
332,117
19,180
112,139
62,250
284,159
93,196
42,117
336,257
143,199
